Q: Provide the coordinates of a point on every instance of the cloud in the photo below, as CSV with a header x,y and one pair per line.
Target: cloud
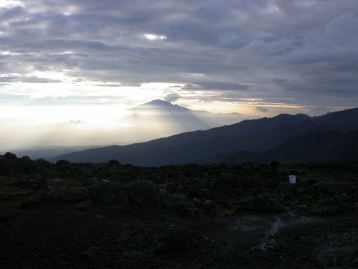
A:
x,y
262,109
31,79
154,37
172,97
218,85
276,50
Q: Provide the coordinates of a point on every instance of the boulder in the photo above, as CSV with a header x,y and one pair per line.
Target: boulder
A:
x,y
5,169
286,190
34,200
32,183
73,195
176,242
144,193
175,201
70,195
325,207
262,202
111,192
84,205
171,187
91,181
180,203
228,186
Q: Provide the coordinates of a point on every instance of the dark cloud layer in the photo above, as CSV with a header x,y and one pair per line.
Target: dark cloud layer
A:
x,y
302,50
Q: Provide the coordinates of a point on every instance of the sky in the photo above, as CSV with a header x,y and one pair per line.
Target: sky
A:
x,y
71,71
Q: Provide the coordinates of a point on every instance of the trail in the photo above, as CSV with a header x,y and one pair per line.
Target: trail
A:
x,y
270,227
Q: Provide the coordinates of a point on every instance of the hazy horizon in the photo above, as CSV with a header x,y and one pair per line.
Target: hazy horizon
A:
x,y
142,132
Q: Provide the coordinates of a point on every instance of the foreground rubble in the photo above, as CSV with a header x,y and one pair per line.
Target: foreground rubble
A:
x,y
114,216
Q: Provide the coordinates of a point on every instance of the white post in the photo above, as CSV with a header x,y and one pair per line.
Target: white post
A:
x,y
292,179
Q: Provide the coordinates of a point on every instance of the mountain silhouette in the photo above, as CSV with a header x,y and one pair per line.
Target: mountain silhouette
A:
x,y
284,137
165,105
173,116
179,119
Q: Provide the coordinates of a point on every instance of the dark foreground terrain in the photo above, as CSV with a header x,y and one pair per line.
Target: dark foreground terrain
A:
x,y
109,215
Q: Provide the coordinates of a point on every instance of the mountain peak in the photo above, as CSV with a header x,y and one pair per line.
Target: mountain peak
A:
x,y
164,105
289,116
160,102
293,119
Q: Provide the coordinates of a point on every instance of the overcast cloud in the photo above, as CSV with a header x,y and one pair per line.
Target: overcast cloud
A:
x,y
269,49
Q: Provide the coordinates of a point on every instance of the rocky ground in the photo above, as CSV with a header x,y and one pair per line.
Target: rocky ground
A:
x,y
212,216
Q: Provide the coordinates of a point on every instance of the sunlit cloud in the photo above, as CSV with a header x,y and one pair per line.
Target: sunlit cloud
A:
x,y
9,53
244,107
8,4
153,37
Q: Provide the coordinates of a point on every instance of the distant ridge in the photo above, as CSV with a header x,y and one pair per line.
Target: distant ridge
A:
x,y
291,138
